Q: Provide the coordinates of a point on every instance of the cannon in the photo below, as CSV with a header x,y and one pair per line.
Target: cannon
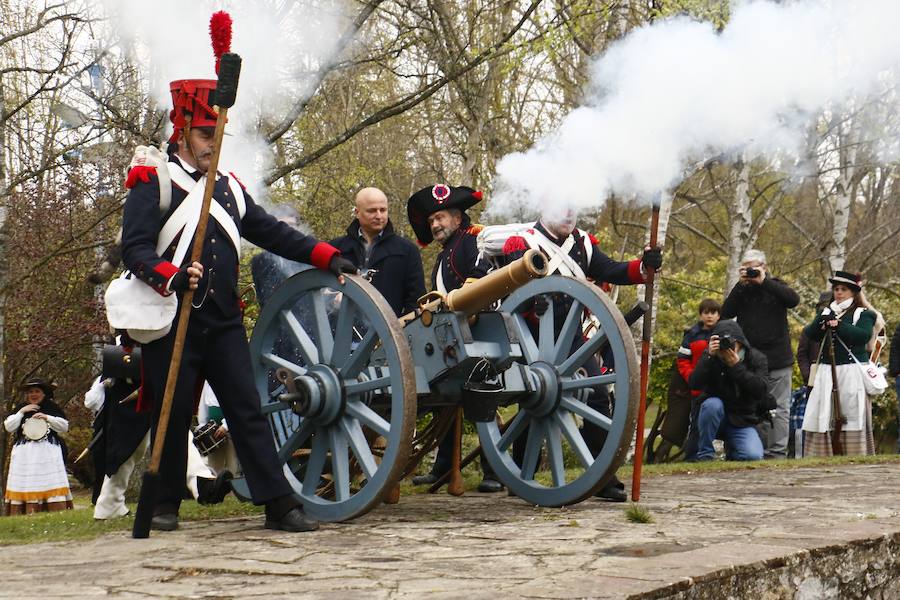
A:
x,y
342,381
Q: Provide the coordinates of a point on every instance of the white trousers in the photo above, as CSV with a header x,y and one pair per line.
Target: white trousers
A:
x,y
111,501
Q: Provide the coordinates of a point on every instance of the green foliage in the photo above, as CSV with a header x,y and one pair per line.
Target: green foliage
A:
x,y
635,513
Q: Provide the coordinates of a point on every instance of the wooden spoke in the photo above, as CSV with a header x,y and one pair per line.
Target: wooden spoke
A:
x,y
571,326
555,454
582,354
576,441
304,343
368,417
295,439
526,340
579,408
360,446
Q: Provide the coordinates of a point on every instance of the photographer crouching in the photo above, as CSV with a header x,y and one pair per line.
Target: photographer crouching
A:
x,y
734,397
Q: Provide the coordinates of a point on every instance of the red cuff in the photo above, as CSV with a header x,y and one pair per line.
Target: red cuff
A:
x,y
634,271
139,173
167,271
322,254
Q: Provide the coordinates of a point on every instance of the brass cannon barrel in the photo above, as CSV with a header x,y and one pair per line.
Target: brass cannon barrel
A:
x,y
477,295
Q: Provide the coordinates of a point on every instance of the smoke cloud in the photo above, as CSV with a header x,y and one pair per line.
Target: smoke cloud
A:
x,y
678,91
281,45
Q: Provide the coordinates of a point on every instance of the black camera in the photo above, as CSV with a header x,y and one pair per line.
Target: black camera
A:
x,y
726,342
752,272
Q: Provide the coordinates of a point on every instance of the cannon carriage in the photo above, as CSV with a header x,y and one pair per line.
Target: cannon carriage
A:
x,y
342,381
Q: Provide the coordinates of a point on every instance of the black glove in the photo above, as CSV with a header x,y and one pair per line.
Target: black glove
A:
x,y
540,305
652,258
180,281
339,265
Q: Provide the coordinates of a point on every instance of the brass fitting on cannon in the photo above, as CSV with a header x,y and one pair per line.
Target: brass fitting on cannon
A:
x,y
478,294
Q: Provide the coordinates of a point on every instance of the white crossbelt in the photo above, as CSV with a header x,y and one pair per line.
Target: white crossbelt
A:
x,y
187,216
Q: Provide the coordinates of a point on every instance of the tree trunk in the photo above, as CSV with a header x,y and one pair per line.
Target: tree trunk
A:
x,y
741,226
4,195
843,198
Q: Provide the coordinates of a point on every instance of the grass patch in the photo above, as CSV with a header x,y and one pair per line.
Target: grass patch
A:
x,y
638,514
79,524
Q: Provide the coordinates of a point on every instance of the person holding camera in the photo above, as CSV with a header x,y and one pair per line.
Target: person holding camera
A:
x,y
760,303
734,398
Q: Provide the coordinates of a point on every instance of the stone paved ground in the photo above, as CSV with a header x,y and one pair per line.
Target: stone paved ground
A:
x,y
481,546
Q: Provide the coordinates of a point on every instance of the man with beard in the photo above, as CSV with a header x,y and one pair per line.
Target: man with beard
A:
x,y
575,253
439,213
159,223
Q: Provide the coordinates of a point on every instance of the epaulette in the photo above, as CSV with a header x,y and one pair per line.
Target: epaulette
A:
x,y
594,240
514,243
475,229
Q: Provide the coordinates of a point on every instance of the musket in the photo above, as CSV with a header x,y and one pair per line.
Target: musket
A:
x,y
837,418
646,337
90,445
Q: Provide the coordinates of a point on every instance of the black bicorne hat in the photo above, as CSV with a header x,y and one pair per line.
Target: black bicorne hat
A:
x,y
851,280
37,382
430,200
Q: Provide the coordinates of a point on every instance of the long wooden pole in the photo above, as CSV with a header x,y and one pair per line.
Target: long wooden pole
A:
x,y
837,418
144,514
645,360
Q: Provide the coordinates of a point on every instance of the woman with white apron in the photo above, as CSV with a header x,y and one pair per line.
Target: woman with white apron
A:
x,y
850,319
37,479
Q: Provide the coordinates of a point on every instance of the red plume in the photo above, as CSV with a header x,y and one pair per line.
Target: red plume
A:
x,y
220,33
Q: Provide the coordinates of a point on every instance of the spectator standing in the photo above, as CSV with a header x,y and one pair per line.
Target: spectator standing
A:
x,y
731,376
393,263
37,479
851,320
760,303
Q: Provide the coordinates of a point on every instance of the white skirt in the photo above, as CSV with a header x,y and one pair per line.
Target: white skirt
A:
x,y
37,473
852,393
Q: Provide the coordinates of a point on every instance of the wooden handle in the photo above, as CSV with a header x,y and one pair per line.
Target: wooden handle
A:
x,y
184,312
455,487
645,362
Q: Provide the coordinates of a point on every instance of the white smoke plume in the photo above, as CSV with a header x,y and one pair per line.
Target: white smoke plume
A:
x,y
280,44
678,91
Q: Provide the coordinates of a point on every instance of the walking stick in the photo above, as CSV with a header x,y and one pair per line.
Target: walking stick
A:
x,y
837,418
645,361
226,90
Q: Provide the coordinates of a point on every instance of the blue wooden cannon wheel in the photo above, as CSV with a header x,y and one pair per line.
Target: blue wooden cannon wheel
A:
x,y
546,420
343,424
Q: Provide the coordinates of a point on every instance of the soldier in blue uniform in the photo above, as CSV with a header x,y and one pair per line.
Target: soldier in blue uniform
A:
x,y
438,213
555,235
216,346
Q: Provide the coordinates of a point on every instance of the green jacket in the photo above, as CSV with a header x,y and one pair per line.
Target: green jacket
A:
x,y
854,336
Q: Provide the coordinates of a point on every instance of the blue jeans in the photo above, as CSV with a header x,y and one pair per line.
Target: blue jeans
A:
x,y
741,443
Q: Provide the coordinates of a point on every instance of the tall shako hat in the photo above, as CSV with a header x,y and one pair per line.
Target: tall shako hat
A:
x,y
193,99
430,200
851,280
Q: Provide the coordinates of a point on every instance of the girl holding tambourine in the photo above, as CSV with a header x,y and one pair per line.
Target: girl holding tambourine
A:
x,y
37,478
